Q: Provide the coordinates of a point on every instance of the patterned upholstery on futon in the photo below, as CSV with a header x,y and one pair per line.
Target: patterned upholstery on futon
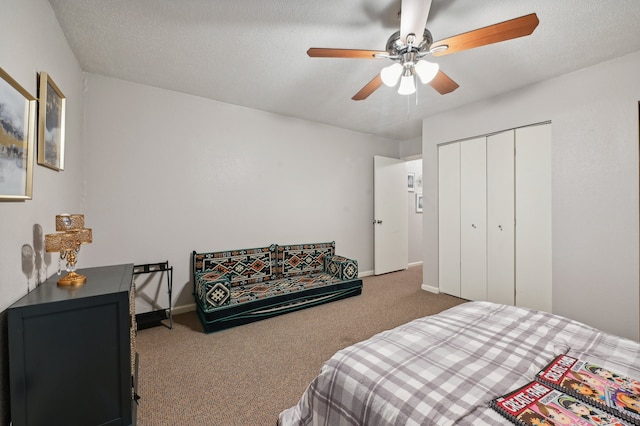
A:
x,y
240,286
303,259
213,289
341,267
240,267
236,295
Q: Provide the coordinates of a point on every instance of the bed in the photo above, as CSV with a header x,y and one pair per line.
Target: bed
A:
x,y
444,369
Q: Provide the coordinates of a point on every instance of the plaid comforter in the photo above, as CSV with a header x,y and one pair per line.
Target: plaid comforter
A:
x,y
444,369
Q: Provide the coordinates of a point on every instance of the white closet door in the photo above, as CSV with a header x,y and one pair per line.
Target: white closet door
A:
x,y
500,218
533,217
449,218
473,219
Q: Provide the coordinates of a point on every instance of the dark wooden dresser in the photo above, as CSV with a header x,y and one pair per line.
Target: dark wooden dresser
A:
x,y
72,351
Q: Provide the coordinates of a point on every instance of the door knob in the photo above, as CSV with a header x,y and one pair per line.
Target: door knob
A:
x,y
500,227
473,225
379,222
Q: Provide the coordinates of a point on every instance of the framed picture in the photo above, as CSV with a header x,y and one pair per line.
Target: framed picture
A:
x,y
51,124
418,203
17,133
411,181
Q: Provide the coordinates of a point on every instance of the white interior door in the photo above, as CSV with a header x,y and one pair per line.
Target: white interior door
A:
x,y
473,219
390,222
533,217
449,218
500,218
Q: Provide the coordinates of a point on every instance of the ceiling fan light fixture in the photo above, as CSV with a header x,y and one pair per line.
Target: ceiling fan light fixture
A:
x,y
426,70
391,74
407,85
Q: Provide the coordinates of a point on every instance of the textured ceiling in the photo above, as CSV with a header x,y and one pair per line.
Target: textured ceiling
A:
x,y
253,52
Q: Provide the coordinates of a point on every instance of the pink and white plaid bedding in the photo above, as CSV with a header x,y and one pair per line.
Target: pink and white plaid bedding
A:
x,y
444,369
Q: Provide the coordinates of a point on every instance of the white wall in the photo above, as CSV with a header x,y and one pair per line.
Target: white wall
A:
x,y
171,173
415,219
594,114
411,148
32,42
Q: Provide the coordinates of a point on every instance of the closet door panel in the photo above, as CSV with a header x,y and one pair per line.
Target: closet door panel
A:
x,y
500,218
473,219
449,218
533,217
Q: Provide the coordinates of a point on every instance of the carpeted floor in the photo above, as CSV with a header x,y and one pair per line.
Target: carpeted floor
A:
x,y
248,374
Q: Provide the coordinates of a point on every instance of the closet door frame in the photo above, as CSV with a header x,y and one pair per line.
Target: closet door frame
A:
x,y
478,253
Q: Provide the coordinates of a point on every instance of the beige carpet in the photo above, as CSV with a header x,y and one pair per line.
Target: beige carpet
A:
x,y
248,374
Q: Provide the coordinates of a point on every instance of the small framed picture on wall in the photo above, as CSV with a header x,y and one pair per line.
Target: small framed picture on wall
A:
x,y
411,181
51,124
418,203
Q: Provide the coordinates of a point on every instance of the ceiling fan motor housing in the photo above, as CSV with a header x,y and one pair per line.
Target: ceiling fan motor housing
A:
x,y
396,47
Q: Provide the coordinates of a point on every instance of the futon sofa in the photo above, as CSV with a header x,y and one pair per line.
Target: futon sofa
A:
x,y
241,286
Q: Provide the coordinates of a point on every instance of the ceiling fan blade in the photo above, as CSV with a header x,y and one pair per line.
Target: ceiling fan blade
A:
x,y
368,89
443,83
320,52
413,18
507,30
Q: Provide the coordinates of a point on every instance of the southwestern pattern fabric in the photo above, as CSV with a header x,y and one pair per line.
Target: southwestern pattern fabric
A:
x,y
241,267
213,290
444,369
341,267
250,292
303,259
240,286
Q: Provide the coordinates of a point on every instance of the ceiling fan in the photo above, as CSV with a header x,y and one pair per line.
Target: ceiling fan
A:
x,y
408,47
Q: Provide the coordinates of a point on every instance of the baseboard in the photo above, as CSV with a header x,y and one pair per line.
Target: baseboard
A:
x,y
184,309
369,273
430,289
